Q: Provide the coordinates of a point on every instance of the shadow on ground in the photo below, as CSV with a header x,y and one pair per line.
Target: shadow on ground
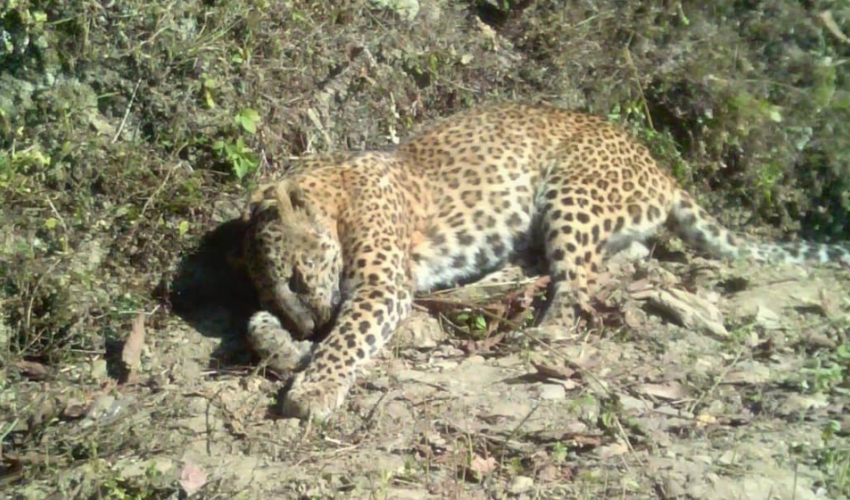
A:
x,y
214,296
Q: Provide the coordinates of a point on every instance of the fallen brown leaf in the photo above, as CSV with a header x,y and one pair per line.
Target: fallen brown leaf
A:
x,y
612,450
640,285
192,478
672,391
33,370
74,408
479,467
556,372
633,319
585,440
818,340
582,439
486,345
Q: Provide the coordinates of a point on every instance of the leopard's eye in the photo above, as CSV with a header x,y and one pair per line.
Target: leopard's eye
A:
x,y
297,283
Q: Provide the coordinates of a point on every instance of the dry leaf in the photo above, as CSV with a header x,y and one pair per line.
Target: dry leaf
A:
x,y
613,450
634,319
830,304
33,370
750,373
549,473
192,478
818,340
485,346
133,346
687,309
586,440
480,467
672,391
581,439
704,419
832,26
640,285
74,408
556,372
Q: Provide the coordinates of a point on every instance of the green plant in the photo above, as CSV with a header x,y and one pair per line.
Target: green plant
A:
x,y
248,119
834,457
476,324
559,452
823,376
238,155
112,485
241,158
766,180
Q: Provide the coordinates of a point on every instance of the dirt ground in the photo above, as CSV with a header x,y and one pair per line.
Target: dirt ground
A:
x,y
647,408
131,131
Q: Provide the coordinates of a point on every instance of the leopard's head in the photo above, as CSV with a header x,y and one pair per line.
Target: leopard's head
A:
x,y
293,258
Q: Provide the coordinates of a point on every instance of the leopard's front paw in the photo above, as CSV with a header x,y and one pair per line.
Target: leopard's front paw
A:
x,y
275,345
314,399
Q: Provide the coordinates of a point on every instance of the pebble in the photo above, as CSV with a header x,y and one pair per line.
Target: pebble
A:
x,y
552,392
521,484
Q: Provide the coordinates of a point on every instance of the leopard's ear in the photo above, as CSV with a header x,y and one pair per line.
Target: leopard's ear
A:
x,y
297,200
261,199
286,196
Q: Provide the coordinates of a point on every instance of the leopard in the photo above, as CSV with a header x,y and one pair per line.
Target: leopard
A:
x,y
348,241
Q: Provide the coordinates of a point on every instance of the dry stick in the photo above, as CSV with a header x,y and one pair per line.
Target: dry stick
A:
x,y
28,322
716,382
497,284
158,189
208,424
57,214
127,112
628,441
631,64
514,431
150,200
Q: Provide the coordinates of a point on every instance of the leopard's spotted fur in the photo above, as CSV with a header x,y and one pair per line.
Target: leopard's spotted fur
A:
x,y
365,232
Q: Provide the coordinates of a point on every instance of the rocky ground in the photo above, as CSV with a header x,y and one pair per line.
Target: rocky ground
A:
x,y
131,131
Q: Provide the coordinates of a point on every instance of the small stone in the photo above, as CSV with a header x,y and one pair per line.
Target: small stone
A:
x,y
474,360
521,484
420,331
104,409
98,369
552,392
636,405
768,318
674,486
445,365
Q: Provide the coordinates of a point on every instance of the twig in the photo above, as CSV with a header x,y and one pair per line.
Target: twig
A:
x,y
158,189
631,64
127,111
28,322
57,214
627,440
514,431
716,382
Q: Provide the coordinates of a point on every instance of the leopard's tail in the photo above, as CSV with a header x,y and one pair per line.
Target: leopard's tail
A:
x,y
702,231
